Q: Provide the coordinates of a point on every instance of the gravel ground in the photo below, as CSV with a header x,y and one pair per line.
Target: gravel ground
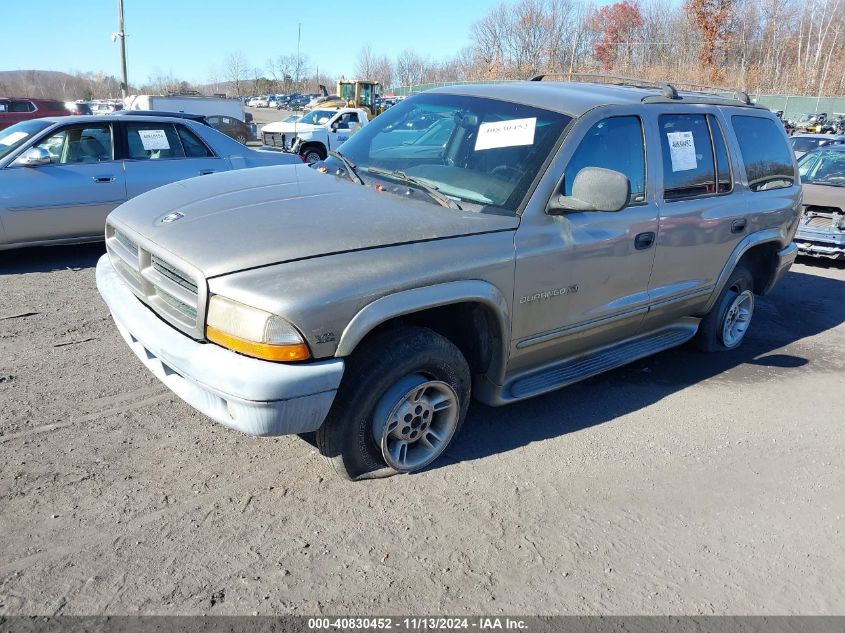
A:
x,y
682,484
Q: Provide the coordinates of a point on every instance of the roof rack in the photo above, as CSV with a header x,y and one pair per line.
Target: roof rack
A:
x,y
668,91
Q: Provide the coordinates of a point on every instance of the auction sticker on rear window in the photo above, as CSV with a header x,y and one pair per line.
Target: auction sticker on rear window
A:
x,y
153,139
682,150
506,133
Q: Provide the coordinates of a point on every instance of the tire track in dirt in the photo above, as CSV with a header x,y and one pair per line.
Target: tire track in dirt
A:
x,y
159,393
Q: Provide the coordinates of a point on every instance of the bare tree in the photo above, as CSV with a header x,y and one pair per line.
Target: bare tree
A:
x,y
235,70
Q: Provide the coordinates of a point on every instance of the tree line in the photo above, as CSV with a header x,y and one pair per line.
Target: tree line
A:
x,y
761,46
769,46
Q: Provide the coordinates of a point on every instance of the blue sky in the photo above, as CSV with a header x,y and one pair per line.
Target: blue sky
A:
x,y
190,37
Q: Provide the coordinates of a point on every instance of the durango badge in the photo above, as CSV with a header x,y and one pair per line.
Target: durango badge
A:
x,y
172,217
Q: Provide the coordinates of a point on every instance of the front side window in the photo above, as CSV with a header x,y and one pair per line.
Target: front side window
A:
x,y
79,144
22,106
153,141
478,151
615,143
767,157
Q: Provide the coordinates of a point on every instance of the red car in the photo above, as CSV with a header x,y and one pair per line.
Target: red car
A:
x,y
14,110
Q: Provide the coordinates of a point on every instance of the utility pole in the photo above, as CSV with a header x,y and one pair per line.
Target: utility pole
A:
x,y
121,33
298,57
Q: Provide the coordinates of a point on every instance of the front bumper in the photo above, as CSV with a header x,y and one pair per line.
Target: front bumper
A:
x,y
785,259
246,394
828,243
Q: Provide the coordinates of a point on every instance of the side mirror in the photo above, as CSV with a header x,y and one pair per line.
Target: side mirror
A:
x,y
33,157
594,189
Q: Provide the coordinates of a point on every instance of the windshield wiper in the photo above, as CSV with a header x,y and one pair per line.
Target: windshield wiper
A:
x,y
350,167
442,199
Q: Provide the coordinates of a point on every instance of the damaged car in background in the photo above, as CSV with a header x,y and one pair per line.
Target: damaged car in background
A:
x,y
821,232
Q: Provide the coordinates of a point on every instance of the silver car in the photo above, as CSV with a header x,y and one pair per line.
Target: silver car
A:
x,y
60,177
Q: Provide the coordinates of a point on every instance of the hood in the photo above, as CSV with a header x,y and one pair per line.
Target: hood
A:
x,y
283,127
824,196
267,215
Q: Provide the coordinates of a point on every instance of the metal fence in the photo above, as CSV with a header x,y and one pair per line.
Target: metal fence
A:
x,y
792,105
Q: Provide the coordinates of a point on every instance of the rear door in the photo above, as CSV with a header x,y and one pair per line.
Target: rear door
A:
x,y
70,197
159,153
707,204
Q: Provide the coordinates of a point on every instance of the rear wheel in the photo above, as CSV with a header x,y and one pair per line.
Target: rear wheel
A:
x,y
726,325
403,398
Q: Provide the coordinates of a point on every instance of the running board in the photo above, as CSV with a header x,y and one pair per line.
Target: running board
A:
x,y
576,369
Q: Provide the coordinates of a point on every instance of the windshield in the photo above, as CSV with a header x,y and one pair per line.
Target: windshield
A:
x,y
808,117
823,167
471,149
318,117
13,137
805,144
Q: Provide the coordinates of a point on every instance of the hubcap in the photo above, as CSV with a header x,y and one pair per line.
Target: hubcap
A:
x,y
414,422
737,319
312,157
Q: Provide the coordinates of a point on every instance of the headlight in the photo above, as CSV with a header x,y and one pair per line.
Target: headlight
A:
x,y
253,332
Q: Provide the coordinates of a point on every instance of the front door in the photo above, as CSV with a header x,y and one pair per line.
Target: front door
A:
x,y
582,277
341,129
70,197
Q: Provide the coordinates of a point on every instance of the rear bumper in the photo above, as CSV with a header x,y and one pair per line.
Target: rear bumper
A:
x,y
246,394
785,259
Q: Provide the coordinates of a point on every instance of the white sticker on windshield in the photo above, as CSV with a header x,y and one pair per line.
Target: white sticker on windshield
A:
x,y
505,133
11,139
153,139
682,150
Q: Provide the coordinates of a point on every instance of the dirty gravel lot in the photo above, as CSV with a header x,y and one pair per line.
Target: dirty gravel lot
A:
x,y
684,484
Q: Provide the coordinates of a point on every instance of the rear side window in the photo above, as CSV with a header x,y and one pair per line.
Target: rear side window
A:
x,y
153,141
194,148
767,158
615,143
689,168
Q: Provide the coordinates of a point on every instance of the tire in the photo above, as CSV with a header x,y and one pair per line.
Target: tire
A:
x,y
374,411
241,138
725,326
312,154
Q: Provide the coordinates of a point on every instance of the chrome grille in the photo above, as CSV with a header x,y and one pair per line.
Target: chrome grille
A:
x,y
173,274
277,139
168,289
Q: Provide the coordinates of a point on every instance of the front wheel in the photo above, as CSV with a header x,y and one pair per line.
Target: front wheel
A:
x,y
726,325
312,154
404,396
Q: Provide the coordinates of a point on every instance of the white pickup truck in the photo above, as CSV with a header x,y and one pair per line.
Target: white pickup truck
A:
x,y
315,134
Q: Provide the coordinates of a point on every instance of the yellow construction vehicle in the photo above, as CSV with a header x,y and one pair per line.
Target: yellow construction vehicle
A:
x,y
356,93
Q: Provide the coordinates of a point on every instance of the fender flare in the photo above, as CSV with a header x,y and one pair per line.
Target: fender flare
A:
x,y
409,301
766,236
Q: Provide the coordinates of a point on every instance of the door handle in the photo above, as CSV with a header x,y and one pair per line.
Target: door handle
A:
x,y
738,226
103,178
205,172
644,241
